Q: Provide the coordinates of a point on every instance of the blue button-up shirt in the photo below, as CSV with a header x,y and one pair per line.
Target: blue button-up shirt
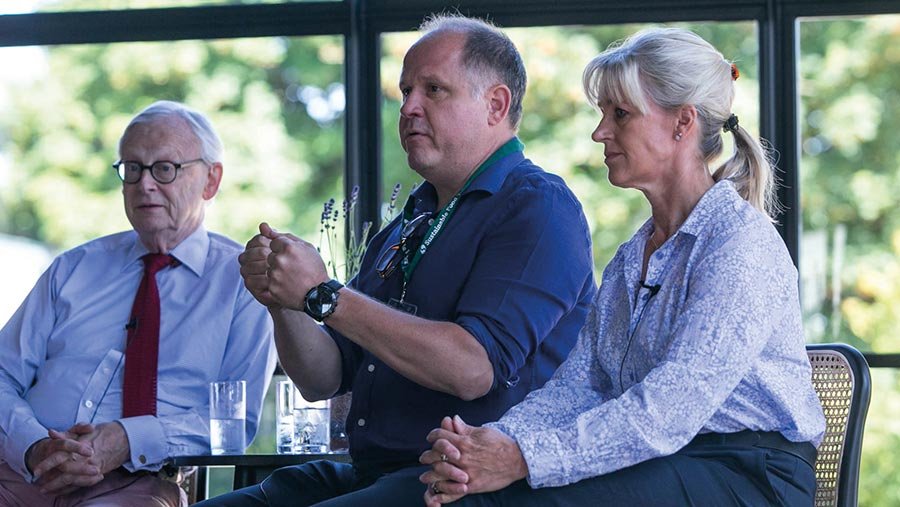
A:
x,y
717,347
513,267
62,359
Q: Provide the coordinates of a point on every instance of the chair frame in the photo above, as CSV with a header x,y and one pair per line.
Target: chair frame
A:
x,y
848,467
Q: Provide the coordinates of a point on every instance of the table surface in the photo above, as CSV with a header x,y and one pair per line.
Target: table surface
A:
x,y
257,460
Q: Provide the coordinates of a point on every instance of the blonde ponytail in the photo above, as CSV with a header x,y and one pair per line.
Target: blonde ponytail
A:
x,y
674,67
752,172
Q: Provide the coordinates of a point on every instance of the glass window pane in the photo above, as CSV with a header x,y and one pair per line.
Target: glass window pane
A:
x,y
849,182
558,121
277,103
879,476
850,178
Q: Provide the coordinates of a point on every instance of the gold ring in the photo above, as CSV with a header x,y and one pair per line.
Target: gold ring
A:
x,y
434,488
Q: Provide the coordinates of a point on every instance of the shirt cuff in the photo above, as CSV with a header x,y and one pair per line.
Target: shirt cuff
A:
x,y
545,467
483,336
146,443
19,445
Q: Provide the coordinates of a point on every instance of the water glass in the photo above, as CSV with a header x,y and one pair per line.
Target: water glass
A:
x,y
340,406
312,420
340,442
284,417
227,417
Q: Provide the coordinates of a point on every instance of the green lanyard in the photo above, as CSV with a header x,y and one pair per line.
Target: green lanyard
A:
x,y
437,223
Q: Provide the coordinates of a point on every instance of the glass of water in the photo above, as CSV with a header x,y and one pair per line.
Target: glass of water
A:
x,y
312,421
284,417
227,417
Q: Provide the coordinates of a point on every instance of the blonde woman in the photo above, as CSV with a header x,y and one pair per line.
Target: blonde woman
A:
x,y
690,384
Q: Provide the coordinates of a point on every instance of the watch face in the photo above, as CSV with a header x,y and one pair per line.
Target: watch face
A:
x,y
324,298
321,301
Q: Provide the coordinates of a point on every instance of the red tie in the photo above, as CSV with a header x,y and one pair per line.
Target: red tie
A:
x,y
142,350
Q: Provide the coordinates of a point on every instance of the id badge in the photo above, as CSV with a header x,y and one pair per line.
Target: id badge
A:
x,y
403,306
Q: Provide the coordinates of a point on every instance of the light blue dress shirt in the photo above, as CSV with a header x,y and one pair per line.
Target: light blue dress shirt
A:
x,y
718,348
62,359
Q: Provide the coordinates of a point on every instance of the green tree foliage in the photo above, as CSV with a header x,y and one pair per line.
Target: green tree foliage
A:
x,y
276,102
850,179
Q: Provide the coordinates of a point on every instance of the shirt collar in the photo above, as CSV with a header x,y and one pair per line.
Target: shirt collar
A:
x,y
493,177
713,203
490,181
718,196
191,252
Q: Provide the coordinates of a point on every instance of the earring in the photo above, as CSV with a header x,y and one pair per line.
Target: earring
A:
x,y
678,136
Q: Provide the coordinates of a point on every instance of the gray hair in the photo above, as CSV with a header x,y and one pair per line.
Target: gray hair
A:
x,y
211,149
488,54
673,67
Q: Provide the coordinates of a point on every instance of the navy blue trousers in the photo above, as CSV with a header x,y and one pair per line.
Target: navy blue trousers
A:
x,y
328,484
699,476
713,476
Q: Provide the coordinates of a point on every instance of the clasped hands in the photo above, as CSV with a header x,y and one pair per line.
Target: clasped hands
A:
x,y
78,457
466,459
280,268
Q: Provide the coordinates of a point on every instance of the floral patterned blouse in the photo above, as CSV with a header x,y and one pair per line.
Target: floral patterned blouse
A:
x,y
711,341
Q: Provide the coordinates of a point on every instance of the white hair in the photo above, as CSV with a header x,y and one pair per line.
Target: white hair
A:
x,y
211,149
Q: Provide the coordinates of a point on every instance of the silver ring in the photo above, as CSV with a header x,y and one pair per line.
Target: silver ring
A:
x,y
443,457
434,488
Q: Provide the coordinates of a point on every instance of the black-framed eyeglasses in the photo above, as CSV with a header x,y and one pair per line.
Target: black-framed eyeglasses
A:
x,y
163,171
389,259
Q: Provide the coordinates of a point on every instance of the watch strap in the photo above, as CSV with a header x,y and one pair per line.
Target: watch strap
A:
x,y
333,284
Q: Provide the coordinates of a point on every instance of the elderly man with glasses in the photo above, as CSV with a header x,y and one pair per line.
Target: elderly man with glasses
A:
x,y
464,304
104,369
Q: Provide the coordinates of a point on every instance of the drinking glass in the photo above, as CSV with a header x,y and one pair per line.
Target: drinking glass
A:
x,y
340,406
311,425
284,417
227,417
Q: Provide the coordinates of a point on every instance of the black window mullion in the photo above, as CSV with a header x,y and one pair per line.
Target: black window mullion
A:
x,y
778,50
363,115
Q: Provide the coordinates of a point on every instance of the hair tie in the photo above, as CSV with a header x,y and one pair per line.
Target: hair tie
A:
x,y
731,124
735,73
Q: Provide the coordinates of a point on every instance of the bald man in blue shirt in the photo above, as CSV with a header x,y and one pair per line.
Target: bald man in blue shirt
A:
x,y
465,303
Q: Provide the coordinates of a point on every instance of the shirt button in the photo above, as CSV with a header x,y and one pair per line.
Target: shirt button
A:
x,y
371,368
142,459
361,422
89,404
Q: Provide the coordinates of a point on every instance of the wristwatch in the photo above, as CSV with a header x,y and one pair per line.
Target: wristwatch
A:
x,y
321,300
